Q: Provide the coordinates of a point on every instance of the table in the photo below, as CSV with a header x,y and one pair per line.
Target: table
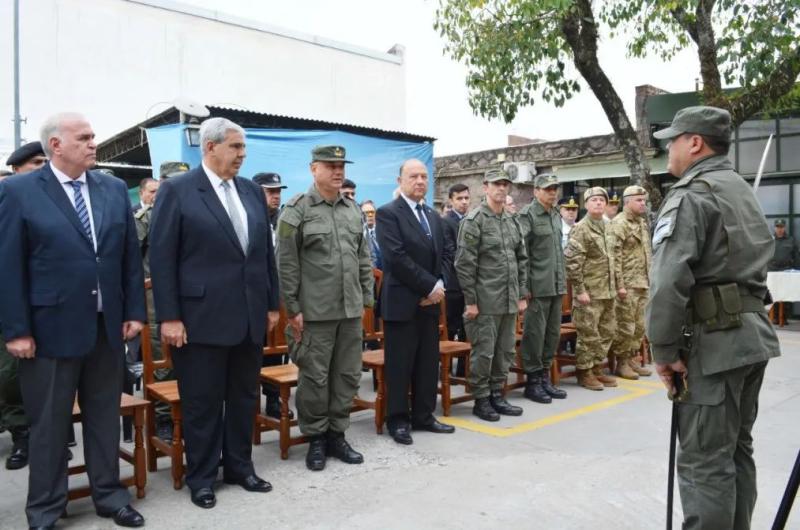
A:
x,y
132,407
784,286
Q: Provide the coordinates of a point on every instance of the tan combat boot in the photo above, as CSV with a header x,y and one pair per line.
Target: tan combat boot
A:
x,y
639,369
625,370
606,380
587,380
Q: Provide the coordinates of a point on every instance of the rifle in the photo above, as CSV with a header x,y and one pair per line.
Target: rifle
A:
x,y
680,389
788,496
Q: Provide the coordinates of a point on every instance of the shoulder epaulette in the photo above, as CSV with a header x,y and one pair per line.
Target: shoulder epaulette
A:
x,y
294,200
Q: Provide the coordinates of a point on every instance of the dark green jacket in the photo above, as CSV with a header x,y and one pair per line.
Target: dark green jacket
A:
x,y
786,255
541,231
710,231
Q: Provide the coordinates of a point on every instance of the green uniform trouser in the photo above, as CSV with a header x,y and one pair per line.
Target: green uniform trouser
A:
x,y
329,362
493,339
12,413
595,324
630,323
716,470
540,333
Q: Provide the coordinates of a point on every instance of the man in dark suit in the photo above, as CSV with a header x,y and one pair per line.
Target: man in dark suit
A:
x,y
213,287
72,292
413,249
458,195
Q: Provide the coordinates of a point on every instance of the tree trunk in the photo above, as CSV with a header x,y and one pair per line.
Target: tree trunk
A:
x,y
581,34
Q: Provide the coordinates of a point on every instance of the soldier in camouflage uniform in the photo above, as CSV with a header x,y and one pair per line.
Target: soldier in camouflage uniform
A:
x,y
541,230
630,241
326,281
491,265
786,254
706,318
592,274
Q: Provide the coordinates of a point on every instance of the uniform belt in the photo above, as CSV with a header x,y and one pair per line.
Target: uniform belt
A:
x,y
750,304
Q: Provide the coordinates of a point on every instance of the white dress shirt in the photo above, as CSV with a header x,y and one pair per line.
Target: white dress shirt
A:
x,y
66,184
413,206
216,184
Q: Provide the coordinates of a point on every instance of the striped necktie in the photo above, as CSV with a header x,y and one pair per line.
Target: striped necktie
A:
x,y
80,208
233,213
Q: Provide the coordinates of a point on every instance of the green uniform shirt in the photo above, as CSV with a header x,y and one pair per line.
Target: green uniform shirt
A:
x,y
630,241
491,261
142,221
786,255
323,258
710,231
541,231
590,260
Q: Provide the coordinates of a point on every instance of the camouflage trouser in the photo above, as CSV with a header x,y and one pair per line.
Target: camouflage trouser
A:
x,y
493,339
596,327
716,470
540,334
630,323
328,358
12,413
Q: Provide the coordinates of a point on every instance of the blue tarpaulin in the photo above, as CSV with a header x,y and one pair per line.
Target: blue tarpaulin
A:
x,y
376,161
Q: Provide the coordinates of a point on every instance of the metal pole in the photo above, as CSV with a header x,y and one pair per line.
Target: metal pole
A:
x,y
17,117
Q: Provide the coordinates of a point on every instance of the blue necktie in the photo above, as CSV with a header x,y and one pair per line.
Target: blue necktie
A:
x,y
423,221
80,208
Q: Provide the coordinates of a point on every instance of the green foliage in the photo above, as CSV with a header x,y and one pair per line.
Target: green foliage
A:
x,y
514,51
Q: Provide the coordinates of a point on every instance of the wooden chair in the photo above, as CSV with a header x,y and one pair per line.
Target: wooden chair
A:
x,y
449,350
164,392
130,407
373,361
284,378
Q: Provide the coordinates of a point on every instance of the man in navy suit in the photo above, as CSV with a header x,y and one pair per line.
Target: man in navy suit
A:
x,y
72,292
413,249
214,287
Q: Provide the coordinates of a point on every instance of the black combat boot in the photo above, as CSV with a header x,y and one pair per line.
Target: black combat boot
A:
x,y
484,410
534,389
499,403
317,447
19,451
339,448
552,391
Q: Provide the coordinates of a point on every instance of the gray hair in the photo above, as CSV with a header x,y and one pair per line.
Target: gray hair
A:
x,y
214,130
51,128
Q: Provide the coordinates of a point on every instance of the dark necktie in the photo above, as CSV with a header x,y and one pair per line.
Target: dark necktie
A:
x,y
423,220
81,210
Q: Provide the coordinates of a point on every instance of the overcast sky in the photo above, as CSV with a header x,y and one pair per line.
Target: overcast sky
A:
x,y
437,102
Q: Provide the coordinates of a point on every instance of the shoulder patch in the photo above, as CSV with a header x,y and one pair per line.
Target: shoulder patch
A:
x,y
667,219
294,200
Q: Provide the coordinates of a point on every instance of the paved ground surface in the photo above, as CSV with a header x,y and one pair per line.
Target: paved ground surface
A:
x,y
595,460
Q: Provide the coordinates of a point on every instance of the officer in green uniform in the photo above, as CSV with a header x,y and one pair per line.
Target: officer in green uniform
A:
x,y
326,281
541,231
706,319
786,254
492,268
148,190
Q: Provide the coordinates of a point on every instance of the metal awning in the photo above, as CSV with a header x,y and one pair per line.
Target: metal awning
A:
x,y
604,170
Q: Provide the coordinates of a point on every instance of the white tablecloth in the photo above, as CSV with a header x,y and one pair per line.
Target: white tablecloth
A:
x,y
784,285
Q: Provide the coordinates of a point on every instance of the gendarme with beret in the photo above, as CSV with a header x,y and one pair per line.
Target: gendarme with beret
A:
x,y
329,153
708,121
545,181
495,175
25,153
596,191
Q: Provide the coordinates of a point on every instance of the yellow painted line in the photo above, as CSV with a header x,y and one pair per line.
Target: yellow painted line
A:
x,y
640,382
633,392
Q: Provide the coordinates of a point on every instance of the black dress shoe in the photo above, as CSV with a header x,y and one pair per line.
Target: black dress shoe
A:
x,y
43,527
69,455
251,483
339,448
315,458
18,457
273,409
204,498
401,434
434,426
125,516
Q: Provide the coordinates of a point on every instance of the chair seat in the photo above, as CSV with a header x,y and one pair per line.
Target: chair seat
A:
x,y
372,358
454,347
166,391
279,375
275,350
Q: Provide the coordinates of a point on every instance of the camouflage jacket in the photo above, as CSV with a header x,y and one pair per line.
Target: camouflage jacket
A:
x,y
590,260
630,242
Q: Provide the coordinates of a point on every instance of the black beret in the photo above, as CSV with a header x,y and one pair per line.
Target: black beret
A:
x,y
25,153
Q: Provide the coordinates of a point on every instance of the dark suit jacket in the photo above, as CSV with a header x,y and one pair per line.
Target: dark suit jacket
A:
x,y
451,223
200,274
50,268
412,262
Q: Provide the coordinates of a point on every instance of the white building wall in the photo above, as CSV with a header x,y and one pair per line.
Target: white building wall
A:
x,y
120,61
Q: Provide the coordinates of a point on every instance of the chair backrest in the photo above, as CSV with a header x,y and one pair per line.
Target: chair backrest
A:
x,y
149,364
276,339
370,322
566,302
443,320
